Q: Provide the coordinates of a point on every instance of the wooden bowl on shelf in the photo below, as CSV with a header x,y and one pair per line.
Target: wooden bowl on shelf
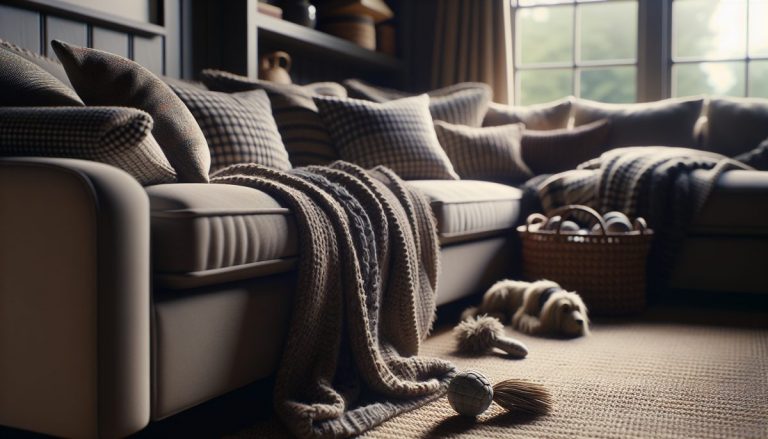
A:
x,y
359,29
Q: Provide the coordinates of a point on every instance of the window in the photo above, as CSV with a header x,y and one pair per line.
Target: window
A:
x,y
590,49
579,47
720,47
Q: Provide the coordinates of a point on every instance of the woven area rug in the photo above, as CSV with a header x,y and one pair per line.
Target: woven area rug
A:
x,y
627,380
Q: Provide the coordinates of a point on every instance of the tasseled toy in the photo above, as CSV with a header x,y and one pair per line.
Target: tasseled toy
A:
x,y
470,394
482,333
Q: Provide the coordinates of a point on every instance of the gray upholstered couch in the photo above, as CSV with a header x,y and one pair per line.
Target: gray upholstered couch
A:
x,y
121,304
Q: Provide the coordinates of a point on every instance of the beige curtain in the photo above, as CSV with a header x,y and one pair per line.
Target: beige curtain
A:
x,y
472,40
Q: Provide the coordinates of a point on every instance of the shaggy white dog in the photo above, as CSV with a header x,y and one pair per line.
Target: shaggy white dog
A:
x,y
540,307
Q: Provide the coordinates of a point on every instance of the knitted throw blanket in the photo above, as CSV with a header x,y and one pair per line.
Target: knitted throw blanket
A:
x,y
656,183
365,298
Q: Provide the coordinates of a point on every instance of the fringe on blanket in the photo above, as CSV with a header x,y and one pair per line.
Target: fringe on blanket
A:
x,y
365,298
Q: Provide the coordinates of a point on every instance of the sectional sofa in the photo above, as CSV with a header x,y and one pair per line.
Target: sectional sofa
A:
x,y
122,304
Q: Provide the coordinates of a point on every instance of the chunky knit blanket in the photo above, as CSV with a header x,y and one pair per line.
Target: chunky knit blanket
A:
x,y
364,302
656,183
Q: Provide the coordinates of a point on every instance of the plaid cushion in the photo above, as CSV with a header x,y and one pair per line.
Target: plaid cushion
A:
x,y
25,84
121,137
304,134
491,153
547,116
238,127
464,103
552,151
397,134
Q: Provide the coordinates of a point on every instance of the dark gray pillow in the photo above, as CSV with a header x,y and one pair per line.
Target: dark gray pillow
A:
x,y
549,116
303,131
102,78
239,127
553,151
484,153
464,103
398,134
24,84
50,65
121,137
735,125
669,122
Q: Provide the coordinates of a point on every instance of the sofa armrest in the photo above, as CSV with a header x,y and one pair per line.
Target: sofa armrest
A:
x,y
74,298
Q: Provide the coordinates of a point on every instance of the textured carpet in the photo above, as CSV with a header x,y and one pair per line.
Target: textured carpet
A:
x,y
627,380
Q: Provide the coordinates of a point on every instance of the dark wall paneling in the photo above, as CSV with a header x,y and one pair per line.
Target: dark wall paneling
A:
x,y
110,41
21,27
149,52
173,49
72,32
32,24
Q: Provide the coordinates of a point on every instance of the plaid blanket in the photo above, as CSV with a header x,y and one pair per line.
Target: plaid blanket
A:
x,y
656,183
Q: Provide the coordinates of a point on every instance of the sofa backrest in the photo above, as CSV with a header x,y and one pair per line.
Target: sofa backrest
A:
x,y
734,125
669,122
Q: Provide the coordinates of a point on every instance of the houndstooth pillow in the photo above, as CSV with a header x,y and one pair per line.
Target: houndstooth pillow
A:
x,y
304,134
397,134
464,103
490,153
121,137
238,127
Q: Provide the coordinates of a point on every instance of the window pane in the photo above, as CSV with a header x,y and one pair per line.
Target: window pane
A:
x,y
709,29
718,78
545,35
542,2
608,31
758,30
758,79
536,86
614,84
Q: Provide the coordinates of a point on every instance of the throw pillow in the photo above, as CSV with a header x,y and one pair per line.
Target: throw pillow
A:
x,y
239,127
553,151
121,137
484,153
24,84
102,78
735,125
669,122
304,134
50,65
548,116
398,134
464,103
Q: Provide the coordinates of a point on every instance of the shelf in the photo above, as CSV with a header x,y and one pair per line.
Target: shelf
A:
x,y
299,37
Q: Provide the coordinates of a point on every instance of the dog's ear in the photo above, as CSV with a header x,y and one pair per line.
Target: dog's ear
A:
x,y
551,314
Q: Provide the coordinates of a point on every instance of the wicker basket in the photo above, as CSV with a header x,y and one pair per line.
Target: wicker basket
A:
x,y
606,269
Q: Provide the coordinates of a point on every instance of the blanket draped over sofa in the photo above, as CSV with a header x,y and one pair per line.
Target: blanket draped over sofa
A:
x,y
656,183
365,297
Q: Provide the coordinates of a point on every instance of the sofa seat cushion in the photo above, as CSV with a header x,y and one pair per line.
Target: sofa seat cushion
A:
x,y
469,209
212,233
736,206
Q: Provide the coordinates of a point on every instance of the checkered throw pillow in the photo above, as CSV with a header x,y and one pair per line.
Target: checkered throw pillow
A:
x,y
491,153
464,103
304,134
397,134
238,127
121,137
